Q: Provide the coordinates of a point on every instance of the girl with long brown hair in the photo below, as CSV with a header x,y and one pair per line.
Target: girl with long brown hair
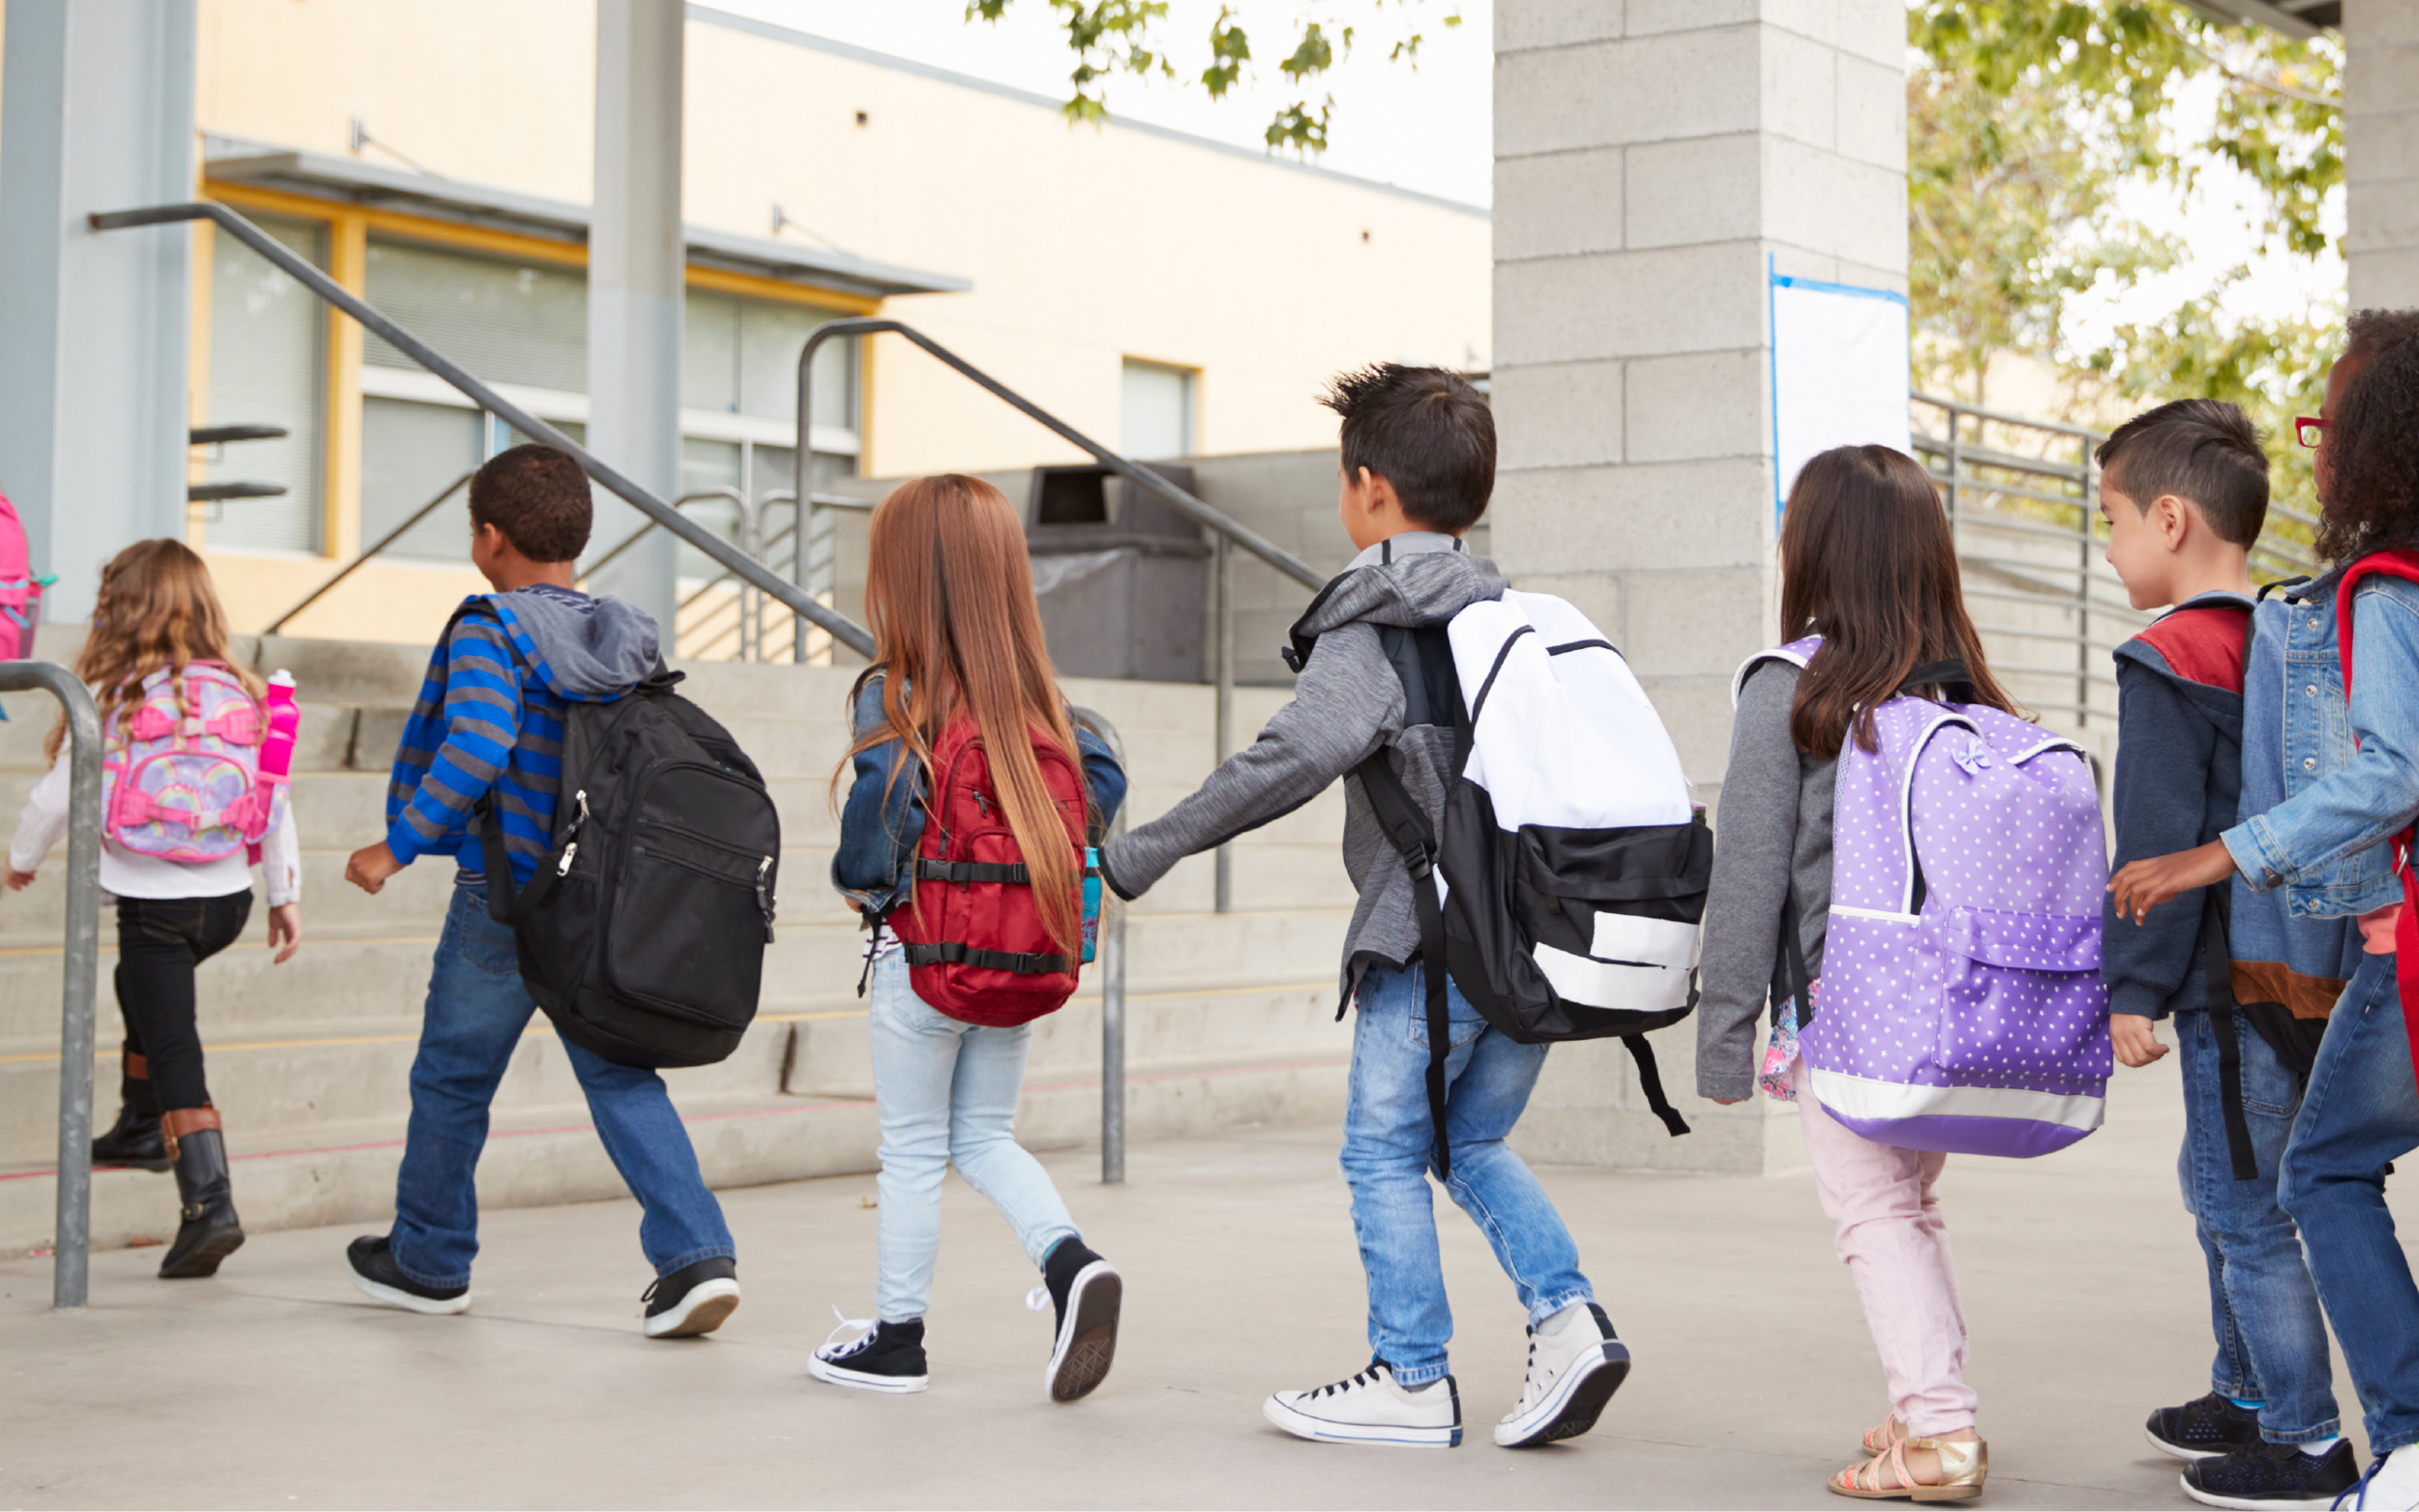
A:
x,y
157,634
1867,563
959,655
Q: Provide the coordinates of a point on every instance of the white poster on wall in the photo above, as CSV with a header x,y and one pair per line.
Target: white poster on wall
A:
x,y
1839,372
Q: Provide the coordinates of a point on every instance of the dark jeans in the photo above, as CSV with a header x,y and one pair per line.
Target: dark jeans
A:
x,y
161,940
476,1012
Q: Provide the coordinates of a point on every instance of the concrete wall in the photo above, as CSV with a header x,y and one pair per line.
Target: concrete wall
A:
x,y
1650,154
2381,151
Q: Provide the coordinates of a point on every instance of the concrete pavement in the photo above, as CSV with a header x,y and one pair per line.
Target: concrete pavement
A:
x,y
276,1386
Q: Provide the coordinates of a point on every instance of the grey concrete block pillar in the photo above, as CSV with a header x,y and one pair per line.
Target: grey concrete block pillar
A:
x,y
2381,152
637,271
96,113
1651,156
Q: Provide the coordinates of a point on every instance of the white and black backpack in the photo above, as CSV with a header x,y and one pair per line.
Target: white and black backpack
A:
x,y
1571,877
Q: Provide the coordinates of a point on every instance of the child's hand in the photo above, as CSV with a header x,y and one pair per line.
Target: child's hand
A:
x,y
285,927
369,868
2136,1044
2147,883
18,880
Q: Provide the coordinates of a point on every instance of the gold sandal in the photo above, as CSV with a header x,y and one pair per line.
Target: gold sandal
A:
x,y
1963,1467
1877,1440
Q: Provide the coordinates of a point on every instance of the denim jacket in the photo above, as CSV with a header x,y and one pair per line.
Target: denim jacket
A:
x,y
2320,843
881,822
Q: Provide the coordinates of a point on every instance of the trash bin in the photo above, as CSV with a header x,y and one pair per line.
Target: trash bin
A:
x,y
1122,578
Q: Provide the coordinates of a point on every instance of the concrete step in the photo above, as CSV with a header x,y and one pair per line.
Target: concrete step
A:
x,y
346,1173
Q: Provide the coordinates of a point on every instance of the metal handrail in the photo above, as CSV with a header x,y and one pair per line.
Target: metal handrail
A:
x,y
733,495
71,1247
842,628
1112,982
383,542
1185,504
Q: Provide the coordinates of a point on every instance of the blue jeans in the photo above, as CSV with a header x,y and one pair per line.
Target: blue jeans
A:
x,y
2360,1112
477,1008
946,1090
1389,1147
2272,1339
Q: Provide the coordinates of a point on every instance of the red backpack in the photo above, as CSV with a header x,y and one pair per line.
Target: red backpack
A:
x,y
974,938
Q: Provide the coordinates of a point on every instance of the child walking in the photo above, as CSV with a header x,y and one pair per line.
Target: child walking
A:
x,y
1866,562
491,725
1417,468
959,659
2185,492
157,659
2336,846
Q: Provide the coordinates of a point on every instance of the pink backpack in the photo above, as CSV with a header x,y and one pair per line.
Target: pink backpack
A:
x,y
197,782
20,591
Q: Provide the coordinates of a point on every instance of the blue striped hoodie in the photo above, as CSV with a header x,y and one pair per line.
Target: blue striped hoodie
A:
x,y
490,718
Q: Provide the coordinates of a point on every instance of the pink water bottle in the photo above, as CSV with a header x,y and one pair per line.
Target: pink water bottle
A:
x,y
276,752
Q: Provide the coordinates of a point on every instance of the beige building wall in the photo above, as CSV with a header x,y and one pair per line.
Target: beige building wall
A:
x,y
1085,245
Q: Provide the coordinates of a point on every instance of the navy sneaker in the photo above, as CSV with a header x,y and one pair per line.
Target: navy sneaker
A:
x,y
885,1358
372,1261
2273,1476
2204,1429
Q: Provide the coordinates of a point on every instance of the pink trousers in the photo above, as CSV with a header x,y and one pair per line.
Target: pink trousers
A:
x,y
1889,1232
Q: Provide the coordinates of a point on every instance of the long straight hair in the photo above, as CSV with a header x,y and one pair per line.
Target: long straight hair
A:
x,y
1867,563
949,596
155,608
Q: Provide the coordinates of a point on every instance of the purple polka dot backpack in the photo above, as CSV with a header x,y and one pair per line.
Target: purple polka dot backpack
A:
x,y
1961,1005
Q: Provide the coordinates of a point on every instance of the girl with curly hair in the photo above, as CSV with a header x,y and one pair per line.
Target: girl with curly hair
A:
x,y
2337,849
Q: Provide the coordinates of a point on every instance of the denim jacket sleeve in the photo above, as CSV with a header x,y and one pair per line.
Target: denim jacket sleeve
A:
x,y
2376,794
1104,779
881,821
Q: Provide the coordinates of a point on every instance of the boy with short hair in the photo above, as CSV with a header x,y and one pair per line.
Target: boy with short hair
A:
x,y
489,725
1417,468
2185,492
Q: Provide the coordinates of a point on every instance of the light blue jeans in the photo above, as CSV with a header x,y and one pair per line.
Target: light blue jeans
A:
x,y
1389,1147
947,1091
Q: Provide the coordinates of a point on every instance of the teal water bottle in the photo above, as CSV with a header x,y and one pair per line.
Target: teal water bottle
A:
x,y
1092,904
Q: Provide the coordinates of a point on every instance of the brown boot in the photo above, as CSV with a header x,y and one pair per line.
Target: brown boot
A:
x,y
210,1231
134,1140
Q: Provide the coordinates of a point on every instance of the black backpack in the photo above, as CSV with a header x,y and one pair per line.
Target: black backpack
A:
x,y
642,932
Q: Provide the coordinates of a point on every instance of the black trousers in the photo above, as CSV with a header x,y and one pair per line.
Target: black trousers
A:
x,y
161,940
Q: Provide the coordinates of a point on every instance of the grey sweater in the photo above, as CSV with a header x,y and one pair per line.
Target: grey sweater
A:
x,y
1774,839
1347,703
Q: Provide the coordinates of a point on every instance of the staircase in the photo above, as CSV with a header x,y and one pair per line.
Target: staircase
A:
x,y
1230,1018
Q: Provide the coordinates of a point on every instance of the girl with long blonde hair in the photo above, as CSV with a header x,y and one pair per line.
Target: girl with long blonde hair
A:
x,y
958,643
156,623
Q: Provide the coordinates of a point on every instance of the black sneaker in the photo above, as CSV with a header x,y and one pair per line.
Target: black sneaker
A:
x,y
2204,1429
1088,1292
2273,1476
692,1300
374,1271
885,1358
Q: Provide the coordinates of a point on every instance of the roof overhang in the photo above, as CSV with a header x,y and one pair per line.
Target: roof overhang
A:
x,y
334,176
2294,17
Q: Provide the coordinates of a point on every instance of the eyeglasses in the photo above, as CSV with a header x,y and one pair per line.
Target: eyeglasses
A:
x,y
2309,429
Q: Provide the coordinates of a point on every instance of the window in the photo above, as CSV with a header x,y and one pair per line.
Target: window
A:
x,y
268,352
1157,415
507,321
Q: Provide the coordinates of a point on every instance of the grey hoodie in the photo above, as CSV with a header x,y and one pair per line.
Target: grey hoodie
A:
x,y
1347,703
586,648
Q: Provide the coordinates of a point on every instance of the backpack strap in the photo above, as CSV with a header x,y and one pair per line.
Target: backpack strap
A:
x,y
1407,827
2217,960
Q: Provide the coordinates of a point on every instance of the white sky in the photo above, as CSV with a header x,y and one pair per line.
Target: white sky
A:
x,y
1428,128
1431,129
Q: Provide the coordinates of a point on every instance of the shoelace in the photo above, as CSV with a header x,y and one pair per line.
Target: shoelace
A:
x,y
861,1342
1037,1300
2358,1495
1362,1377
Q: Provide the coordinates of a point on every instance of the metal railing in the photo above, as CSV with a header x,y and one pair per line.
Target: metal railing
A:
x,y
80,967
1112,984
2022,498
84,878
1226,532
382,543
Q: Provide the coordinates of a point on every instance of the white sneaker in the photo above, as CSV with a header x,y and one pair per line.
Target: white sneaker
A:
x,y
2392,1483
1370,1409
1575,1365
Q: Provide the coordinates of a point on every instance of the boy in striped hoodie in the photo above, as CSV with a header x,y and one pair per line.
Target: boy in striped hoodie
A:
x,y
488,726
